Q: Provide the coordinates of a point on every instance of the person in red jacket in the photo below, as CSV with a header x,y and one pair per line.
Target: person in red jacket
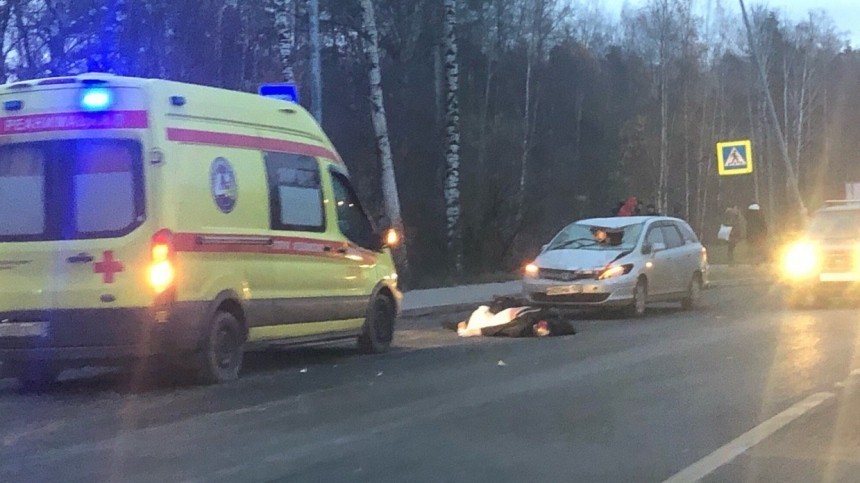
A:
x,y
629,208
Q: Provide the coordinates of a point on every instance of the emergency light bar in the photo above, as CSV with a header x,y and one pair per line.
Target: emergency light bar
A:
x,y
284,92
94,99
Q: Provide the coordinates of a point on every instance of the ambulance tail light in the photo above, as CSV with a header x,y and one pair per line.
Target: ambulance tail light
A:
x,y
162,270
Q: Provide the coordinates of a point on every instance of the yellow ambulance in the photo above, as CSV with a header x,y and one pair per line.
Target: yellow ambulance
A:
x,y
143,217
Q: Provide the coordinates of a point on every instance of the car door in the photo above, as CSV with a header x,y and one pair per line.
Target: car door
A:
x,y
354,224
675,258
659,267
692,250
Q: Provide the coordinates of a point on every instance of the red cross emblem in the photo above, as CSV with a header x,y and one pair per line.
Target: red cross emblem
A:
x,y
108,267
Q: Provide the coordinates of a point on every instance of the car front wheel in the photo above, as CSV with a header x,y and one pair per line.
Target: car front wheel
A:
x,y
378,330
640,300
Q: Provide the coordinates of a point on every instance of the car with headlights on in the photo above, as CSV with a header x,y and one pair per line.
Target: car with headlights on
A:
x,y
823,263
621,263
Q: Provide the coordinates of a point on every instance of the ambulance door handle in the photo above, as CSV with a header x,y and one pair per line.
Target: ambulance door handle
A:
x,y
342,251
81,258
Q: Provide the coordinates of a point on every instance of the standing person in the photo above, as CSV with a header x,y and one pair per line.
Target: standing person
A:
x,y
732,219
629,208
757,233
651,210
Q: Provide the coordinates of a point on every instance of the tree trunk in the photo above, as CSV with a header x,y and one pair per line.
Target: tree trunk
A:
x,y
5,13
521,190
285,24
390,196
452,134
439,84
794,189
316,63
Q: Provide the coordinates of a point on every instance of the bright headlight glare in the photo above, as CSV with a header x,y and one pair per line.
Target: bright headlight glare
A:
x,y
800,260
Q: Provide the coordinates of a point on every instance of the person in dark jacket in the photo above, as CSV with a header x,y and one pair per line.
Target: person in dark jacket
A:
x,y
757,233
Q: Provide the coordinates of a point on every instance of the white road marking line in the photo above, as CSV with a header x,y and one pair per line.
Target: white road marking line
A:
x,y
744,442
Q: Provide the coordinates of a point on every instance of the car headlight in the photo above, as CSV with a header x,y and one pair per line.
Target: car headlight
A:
x,y
615,271
801,260
531,270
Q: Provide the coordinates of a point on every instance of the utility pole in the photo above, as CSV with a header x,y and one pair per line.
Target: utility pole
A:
x,y
774,118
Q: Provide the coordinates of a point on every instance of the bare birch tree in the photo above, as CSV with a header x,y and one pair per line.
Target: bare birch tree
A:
x,y
452,135
285,25
390,195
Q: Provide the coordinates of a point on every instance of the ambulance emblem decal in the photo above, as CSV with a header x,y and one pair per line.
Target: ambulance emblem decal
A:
x,y
222,180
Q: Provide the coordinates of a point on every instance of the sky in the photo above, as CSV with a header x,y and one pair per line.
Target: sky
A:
x,y
846,13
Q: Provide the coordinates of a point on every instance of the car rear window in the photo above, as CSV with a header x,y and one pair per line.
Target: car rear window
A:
x,y
75,189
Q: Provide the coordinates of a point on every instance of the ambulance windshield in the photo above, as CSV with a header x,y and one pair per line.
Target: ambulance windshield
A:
x,y
74,189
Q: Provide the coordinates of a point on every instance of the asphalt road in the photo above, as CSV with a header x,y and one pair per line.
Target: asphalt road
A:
x,y
740,390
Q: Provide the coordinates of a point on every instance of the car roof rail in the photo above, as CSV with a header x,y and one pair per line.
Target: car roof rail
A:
x,y
837,203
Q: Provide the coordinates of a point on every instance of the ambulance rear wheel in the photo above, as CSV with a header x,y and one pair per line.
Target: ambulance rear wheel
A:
x,y
378,330
221,356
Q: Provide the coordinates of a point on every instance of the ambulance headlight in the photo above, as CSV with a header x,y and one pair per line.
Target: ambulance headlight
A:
x,y
96,99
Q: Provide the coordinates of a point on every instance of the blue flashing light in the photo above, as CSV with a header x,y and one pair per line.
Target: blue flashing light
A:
x,y
284,92
15,105
96,99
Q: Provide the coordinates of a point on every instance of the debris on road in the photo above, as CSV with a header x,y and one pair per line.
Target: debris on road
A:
x,y
501,363
304,370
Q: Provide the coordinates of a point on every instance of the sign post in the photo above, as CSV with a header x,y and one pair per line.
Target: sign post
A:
x,y
735,157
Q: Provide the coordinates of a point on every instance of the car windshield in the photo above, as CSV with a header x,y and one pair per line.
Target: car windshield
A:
x,y
835,224
593,237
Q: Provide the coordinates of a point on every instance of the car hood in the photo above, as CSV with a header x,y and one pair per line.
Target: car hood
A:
x,y
576,259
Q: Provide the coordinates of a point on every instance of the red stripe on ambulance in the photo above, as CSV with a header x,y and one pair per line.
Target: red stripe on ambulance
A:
x,y
194,136
73,121
277,245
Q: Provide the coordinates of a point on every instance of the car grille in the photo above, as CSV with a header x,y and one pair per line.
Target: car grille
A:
x,y
579,298
566,275
838,261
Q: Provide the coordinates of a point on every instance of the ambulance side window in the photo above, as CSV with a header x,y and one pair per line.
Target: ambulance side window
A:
x,y
295,192
351,219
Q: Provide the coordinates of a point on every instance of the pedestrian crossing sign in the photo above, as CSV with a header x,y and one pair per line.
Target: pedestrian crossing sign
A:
x,y
735,157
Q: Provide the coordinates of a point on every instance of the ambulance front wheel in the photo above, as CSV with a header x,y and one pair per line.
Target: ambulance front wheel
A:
x,y
378,330
220,359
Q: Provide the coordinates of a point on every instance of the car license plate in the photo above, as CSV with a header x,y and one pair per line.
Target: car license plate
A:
x,y
24,329
838,277
564,290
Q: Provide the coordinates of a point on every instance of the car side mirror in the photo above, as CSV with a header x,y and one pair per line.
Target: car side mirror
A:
x,y
657,247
